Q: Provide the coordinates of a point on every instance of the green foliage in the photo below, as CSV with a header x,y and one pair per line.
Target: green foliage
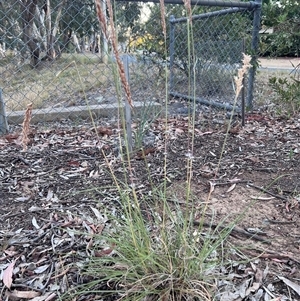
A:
x,y
199,50
288,91
127,16
148,44
79,17
141,133
284,17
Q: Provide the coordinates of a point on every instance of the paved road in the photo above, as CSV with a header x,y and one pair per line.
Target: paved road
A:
x,y
279,63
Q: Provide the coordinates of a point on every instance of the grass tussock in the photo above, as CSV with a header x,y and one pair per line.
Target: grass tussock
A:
x,y
154,252
155,249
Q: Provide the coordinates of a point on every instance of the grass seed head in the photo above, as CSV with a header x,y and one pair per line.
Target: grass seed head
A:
x,y
162,15
188,7
241,72
112,38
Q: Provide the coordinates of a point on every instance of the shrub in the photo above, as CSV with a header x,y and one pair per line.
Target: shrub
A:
x,y
288,91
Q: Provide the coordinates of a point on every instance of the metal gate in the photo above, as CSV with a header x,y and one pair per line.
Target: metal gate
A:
x,y
206,52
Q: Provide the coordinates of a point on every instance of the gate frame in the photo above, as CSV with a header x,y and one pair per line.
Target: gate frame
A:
x,y
234,7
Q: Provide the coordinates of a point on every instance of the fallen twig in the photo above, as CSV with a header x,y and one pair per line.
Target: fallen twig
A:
x,y
268,192
273,255
61,274
234,232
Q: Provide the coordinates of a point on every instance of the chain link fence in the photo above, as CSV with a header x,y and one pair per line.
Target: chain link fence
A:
x,y
54,55
204,63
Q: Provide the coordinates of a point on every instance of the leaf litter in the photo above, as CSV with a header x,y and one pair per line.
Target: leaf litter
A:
x,y
55,197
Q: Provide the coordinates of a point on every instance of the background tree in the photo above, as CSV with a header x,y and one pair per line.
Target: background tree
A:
x,y
79,18
283,16
36,22
128,19
47,27
28,9
10,27
52,27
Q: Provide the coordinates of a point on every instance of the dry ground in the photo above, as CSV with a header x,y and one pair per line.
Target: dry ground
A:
x,y
54,196
61,184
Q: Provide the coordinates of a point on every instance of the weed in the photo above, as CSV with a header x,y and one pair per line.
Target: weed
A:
x,y
291,154
154,249
142,137
288,92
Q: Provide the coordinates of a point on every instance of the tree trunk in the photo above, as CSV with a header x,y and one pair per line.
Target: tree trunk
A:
x,y
104,42
82,46
52,31
28,8
42,32
76,43
67,37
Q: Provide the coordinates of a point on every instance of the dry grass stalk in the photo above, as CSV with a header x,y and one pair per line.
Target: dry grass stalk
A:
x,y
188,7
25,126
112,38
101,18
162,16
239,84
241,72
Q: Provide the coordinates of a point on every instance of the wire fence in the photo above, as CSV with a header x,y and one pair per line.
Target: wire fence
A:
x,y
220,37
54,55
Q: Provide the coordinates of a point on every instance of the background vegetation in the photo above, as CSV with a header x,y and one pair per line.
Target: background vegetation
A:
x,y
58,28
52,26
283,17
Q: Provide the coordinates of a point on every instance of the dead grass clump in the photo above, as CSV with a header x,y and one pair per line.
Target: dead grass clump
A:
x,y
25,126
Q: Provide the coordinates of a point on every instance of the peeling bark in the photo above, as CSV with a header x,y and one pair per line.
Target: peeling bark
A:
x,y
52,30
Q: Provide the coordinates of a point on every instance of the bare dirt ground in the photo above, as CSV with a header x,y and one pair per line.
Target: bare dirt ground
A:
x,y
54,196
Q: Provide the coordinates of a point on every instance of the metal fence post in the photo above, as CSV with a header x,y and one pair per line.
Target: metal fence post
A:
x,y
172,51
254,49
3,119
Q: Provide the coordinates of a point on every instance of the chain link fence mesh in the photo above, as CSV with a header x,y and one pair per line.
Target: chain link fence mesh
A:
x,y
206,67
219,36
54,55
